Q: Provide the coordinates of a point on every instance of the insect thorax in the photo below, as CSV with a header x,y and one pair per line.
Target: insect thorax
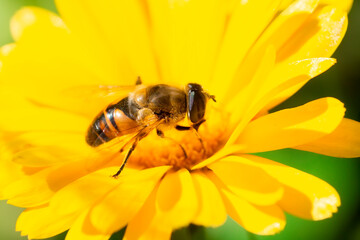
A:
x,y
166,102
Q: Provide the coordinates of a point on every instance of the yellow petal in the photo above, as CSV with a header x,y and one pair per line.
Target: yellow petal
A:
x,y
43,34
319,36
248,182
37,189
186,44
119,30
43,222
10,171
33,84
83,192
29,20
143,219
122,203
176,199
61,61
256,107
83,229
261,220
156,232
286,24
5,51
292,127
343,142
305,69
212,211
285,3
304,196
235,46
43,149
223,152
252,87
86,26
276,35
344,5
148,223
22,115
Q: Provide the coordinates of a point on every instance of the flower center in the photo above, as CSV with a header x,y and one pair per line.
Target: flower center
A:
x,y
182,149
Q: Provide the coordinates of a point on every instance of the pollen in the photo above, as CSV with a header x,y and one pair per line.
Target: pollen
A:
x,y
181,149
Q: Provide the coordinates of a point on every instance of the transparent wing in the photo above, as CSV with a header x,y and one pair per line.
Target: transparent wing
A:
x,y
101,91
89,100
87,92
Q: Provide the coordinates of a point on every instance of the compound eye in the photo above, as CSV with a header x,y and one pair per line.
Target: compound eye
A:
x,y
196,105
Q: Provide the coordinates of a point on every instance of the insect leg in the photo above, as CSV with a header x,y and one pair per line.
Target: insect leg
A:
x,y
143,133
138,81
161,134
201,141
182,128
198,124
135,140
128,142
133,146
196,128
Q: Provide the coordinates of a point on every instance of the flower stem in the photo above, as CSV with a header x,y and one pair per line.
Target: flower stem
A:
x,y
251,236
192,232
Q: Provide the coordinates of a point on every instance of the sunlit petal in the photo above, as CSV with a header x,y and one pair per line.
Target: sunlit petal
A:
x,y
303,69
292,127
319,36
304,196
248,182
211,207
177,201
84,192
343,142
126,199
235,45
83,229
262,220
43,222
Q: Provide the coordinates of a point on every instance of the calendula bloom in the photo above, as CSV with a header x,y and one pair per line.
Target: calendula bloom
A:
x,y
252,55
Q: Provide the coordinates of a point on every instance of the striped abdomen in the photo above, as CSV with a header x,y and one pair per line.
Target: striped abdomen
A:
x,y
114,121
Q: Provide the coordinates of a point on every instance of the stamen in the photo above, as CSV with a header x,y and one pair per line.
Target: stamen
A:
x,y
155,151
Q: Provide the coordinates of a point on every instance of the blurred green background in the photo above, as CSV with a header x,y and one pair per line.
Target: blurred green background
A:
x,y
342,81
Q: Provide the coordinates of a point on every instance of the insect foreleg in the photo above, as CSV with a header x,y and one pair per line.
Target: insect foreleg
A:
x,y
182,128
138,81
194,128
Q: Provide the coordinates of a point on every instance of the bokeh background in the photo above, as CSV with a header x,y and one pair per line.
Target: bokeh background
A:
x,y
341,81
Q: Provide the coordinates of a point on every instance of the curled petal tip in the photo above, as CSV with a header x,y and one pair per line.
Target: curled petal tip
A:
x,y
325,207
272,229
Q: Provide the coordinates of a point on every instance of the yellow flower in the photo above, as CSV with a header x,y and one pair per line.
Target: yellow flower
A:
x,y
249,54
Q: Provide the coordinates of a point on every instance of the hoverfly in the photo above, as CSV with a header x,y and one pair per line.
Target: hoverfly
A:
x,y
148,108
